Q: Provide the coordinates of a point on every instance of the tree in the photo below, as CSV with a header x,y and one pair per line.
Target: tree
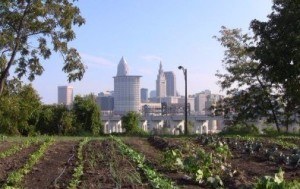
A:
x,y
55,120
263,70
130,122
278,50
87,114
19,107
250,95
27,27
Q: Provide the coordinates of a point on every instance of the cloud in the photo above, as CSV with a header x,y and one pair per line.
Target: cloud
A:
x,y
95,61
151,58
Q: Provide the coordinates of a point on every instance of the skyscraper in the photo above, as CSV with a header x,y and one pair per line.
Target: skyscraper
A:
x,y
65,95
105,101
171,84
144,95
161,83
127,96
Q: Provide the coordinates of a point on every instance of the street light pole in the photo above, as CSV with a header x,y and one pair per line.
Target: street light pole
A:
x,y
185,99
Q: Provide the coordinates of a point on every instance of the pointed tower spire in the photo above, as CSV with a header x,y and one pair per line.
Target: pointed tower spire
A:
x,y
160,71
122,67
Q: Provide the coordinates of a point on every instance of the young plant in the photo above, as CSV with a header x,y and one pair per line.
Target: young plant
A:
x,y
156,180
78,171
15,178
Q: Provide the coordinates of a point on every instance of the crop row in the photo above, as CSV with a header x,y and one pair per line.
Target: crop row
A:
x,y
15,178
270,152
78,171
156,180
17,147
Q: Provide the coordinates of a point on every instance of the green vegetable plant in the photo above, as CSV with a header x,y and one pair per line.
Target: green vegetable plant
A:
x,y
15,178
16,148
173,159
78,171
156,180
276,182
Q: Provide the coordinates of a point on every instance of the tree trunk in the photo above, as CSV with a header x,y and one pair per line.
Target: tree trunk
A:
x,y
272,107
4,74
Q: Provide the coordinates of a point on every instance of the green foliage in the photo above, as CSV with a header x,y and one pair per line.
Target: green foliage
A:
x,y
18,110
78,171
173,159
130,122
269,182
262,69
241,129
55,120
270,131
15,178
87,114
16,148
22,113
156,180
24,23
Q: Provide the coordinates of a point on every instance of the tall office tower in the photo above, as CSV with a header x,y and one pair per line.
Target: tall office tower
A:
x,y
105,101
144,95
65,95
161,83
127,96
171,83
153,94
201,100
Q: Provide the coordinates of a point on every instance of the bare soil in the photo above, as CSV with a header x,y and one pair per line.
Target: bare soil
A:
x,y
56,167
249,167
105,167
154,157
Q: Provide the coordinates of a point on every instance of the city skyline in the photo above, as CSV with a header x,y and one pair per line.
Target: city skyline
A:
x,y
145,33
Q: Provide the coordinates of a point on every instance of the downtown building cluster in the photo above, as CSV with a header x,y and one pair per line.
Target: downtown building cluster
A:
x,y
129,96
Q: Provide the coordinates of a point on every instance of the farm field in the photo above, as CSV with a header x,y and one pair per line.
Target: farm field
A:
x,y
149,162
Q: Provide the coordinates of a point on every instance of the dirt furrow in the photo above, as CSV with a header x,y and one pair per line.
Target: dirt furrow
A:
x,y
155,157
55,169
14,162
105,167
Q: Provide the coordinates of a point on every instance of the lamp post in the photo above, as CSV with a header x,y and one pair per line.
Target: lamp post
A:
x,y
185,99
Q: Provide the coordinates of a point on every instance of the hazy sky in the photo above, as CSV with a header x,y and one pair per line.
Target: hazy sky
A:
x,y
145,32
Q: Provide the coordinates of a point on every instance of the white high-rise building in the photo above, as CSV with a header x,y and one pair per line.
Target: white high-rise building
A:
x,y
204,100
127,96
171,84
161,83
65,95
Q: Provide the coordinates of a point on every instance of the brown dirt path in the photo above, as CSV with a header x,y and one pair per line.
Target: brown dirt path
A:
x,y
155,157
14,162
105,167
56,167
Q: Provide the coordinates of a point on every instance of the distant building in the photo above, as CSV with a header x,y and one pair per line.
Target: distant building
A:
x,y
171,84
205,100
65,95
153,94
127,96
161,83
190,101
144,95
106,102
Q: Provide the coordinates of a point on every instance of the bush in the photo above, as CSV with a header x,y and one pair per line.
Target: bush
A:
x,y
270,131
241,129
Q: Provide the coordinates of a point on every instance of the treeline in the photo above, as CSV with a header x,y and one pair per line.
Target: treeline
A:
x,y
22,113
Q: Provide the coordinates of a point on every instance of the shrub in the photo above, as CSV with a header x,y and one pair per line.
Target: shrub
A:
x,y
241,129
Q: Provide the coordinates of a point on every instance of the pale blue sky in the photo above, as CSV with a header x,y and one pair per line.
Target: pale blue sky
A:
x,y
177,32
